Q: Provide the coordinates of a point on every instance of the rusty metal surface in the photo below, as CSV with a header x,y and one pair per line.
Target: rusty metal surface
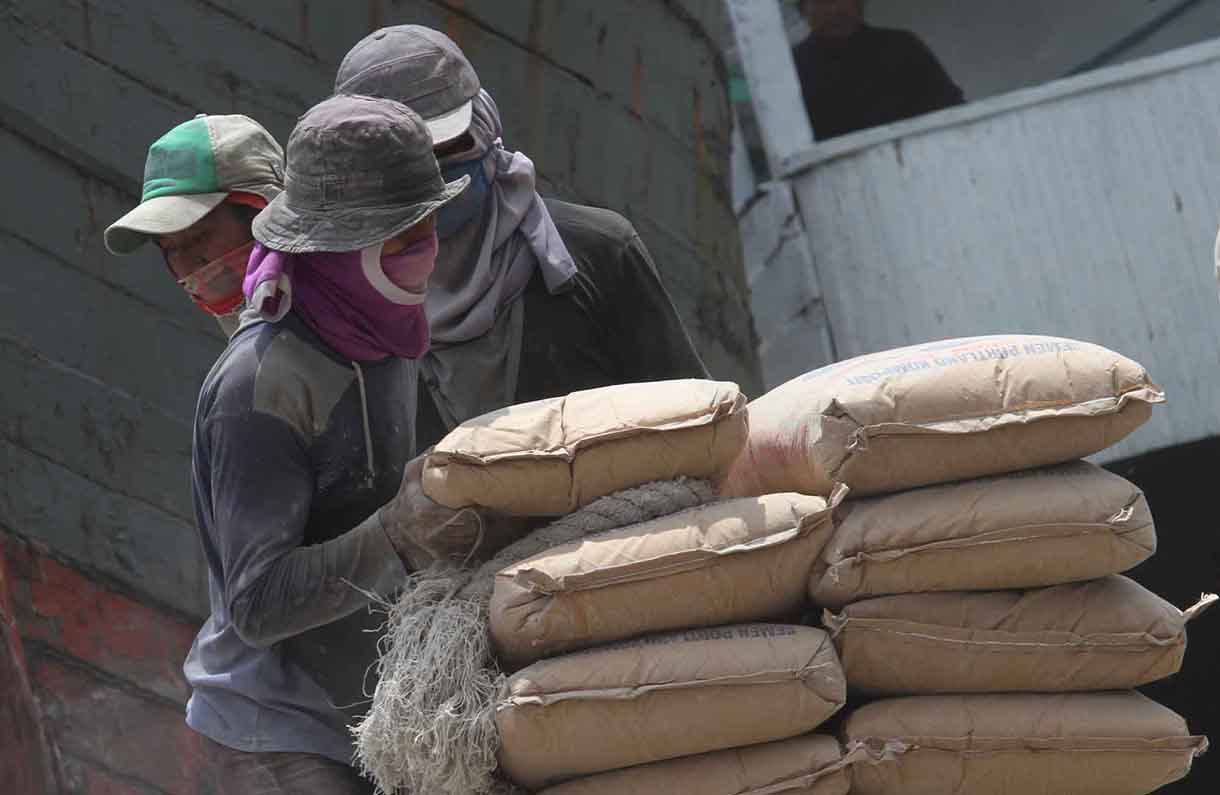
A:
x,y
24,757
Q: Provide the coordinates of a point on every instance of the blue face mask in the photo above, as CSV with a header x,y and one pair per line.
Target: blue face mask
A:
x,y
457,213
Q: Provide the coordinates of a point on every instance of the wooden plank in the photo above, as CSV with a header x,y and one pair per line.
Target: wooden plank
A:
x,y
100,333
775,92
24,757
88,778
638,56
144,549
325,30
115,728
84,425
255,75
79,107
307,40
84,207
798,349
59,607
641,55
1091,217
778,260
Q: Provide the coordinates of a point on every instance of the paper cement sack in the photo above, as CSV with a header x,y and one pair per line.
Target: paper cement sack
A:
x,y
941,412
550,457
810,765
1024,530
724,563
1107,634
1076,744
663,697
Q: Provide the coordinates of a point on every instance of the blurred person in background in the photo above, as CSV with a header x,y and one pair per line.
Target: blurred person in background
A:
x,y
854,76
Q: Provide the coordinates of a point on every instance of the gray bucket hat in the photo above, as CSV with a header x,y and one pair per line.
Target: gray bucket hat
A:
x,y
421,68
359,172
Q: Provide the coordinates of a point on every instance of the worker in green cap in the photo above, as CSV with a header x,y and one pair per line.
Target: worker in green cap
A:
x,y
204,182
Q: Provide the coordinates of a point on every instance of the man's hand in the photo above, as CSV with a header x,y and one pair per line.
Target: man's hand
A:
x,y
425,532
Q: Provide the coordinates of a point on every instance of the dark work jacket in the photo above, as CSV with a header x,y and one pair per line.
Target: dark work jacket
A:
x,y
875,76
616,325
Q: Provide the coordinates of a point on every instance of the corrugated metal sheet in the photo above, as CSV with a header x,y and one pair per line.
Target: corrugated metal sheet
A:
x,y
1086,208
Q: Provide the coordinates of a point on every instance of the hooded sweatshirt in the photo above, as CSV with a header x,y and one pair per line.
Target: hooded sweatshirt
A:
x,y
293,447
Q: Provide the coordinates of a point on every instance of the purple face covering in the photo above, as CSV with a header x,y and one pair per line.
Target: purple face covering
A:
x,y
362,306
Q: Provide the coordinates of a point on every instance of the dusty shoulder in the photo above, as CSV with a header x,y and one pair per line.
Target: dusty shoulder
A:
x,y
592,226
271,370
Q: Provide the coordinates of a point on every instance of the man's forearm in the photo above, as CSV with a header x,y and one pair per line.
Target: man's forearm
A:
x,y
315,585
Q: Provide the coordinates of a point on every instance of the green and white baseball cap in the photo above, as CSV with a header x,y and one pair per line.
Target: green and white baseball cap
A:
x,y
192,169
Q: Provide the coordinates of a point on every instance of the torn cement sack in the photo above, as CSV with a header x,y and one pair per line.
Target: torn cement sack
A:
x,y
664,697
1107,634
809,765
724,563
941,412
1028,529
1075,744
550,457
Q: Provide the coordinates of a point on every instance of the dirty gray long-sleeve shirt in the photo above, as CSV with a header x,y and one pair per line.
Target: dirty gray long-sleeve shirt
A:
x,y
293,448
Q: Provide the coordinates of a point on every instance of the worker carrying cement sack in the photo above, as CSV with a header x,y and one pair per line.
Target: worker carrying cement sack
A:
x,y
941,412
732,561
664,697
1076,744
431,727
550,457
809,765
1030,529
432,724
1107,634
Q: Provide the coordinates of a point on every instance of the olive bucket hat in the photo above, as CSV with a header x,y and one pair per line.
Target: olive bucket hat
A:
x,y
192,169
359,172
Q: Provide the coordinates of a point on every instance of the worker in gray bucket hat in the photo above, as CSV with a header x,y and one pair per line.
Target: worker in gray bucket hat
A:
x,y
360,171
307,499
532,298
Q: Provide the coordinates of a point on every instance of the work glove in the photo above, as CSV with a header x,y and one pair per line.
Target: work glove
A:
x,y
425,533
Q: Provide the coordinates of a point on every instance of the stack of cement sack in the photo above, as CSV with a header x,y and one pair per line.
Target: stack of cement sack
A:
x,y
987,612
662,656
679,707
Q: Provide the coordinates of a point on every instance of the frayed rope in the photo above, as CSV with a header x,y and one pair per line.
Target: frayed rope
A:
x,y
431,727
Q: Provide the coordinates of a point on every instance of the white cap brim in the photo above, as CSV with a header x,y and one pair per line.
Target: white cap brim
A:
x,y
163,215
447,126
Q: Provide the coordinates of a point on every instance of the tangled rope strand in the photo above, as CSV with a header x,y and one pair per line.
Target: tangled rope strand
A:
x,y
431,727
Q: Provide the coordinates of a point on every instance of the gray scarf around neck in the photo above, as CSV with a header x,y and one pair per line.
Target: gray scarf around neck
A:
x,y
474,305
